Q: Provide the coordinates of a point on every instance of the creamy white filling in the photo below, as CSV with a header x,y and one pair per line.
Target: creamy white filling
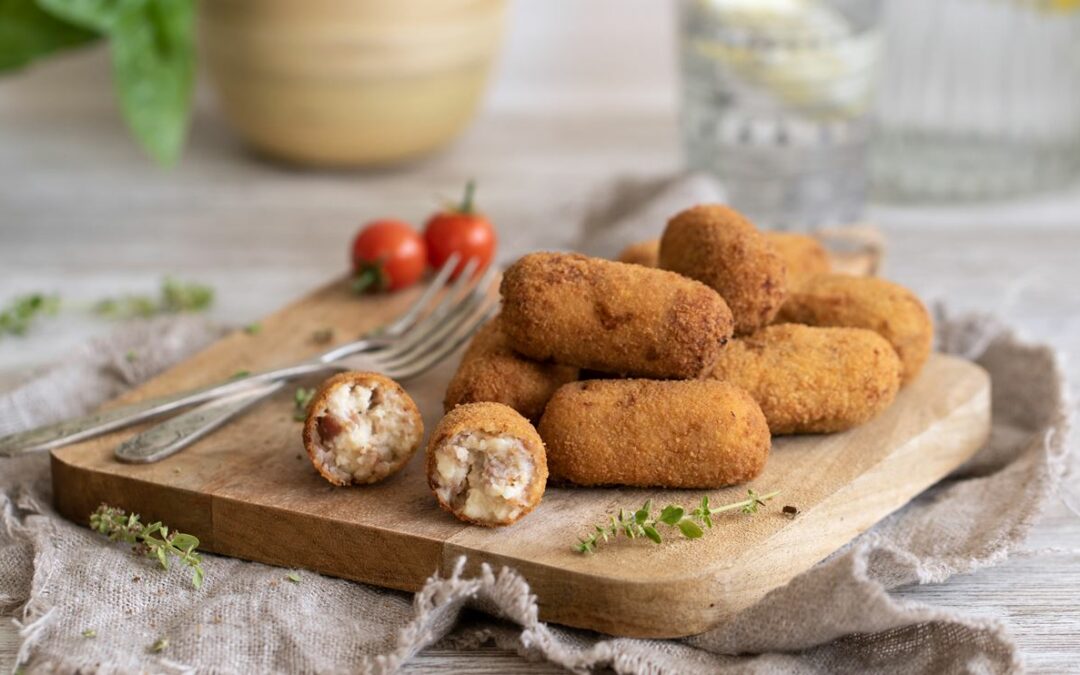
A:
x,y
484,477
376,429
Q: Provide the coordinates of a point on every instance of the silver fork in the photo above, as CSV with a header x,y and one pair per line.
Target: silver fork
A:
x,y
437,336
87,426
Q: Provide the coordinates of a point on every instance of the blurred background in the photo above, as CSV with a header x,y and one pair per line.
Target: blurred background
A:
x,y
952,126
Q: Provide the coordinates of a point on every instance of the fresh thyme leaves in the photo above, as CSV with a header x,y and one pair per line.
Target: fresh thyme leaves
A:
x,y
293,577
643,523
126,307
175,297
301,400
238,374
20,313
89,633
160,645
153,540
253,328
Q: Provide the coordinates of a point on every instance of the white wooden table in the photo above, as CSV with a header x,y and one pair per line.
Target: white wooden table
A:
x,y
584,93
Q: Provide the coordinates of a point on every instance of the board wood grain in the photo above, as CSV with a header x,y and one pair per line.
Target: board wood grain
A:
x,y
249,491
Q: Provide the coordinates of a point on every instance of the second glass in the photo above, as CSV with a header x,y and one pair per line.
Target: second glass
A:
x,y
776,97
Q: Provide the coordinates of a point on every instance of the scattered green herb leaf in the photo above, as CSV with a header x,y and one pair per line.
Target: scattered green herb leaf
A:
x,y
293,577
238,374
89,633
153,540
642,523
174,297
131,356
322,336
161,645
253,328
301,401
20,313
753,502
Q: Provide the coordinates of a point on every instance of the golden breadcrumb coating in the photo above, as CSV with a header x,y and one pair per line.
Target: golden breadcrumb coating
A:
x,y
813,380
882,306
654,433
721,248
645,253
486,464
491,371
361,428
804,257
612,317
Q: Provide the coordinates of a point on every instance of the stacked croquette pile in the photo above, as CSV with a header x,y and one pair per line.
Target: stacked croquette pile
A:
x,y
672,367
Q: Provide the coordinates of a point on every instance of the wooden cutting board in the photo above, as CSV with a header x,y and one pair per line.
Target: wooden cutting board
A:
x,y
249,491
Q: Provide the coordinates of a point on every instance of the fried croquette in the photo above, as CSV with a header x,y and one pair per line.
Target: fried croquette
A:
x,y
612,317
654,433
491,371
486,464
804,257
645,253
882,306
361,428
813,380
719,247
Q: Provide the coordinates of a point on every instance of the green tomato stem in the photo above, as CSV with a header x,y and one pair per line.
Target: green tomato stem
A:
x,y
369,278
467,202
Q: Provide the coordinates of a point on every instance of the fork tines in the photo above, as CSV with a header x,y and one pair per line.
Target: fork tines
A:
x,y
440,326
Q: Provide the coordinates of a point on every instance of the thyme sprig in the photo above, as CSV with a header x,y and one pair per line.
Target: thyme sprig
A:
x,y
21,312
175,297
643,523
153,540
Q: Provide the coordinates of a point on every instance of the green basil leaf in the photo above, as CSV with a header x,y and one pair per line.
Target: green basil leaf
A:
x,y
97,15
28,32
153,58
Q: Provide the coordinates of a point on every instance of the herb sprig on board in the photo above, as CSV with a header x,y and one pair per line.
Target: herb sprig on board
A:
x,y
691,523
153,540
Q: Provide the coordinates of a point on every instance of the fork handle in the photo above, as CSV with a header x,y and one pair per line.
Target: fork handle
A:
x,y
80,428
176,433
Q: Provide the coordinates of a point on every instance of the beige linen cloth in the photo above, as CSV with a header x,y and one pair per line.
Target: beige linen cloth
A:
x,y
60,580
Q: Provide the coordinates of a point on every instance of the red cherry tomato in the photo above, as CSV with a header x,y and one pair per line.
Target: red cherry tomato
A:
x,y
387,255
460,230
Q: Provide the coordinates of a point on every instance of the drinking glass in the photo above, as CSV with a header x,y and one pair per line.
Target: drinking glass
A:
x,y
979,98
776,102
